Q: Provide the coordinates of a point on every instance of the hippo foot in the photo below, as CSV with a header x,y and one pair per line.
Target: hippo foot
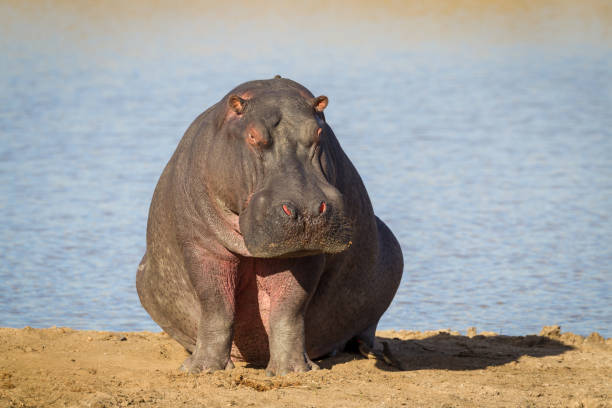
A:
x,y
300,364
194,365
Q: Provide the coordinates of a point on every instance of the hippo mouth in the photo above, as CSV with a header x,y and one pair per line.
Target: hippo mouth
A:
x,y
278,237
287,250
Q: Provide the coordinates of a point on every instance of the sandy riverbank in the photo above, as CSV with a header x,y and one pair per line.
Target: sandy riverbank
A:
x,y
63,367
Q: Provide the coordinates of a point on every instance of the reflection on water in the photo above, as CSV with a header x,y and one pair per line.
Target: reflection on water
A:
x,y
493,169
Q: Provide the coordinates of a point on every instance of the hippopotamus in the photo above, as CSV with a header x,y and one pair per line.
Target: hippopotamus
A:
x,y
262,244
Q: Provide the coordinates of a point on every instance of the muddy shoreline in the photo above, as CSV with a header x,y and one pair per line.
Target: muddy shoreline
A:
x,y
62,367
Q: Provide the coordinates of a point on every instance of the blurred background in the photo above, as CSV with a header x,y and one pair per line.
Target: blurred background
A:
x,y
482,130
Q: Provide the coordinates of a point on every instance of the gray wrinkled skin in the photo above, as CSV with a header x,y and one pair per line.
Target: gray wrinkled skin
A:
x,y
262,244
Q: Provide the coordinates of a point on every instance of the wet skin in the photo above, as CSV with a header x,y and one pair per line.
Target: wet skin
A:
x,y
262,244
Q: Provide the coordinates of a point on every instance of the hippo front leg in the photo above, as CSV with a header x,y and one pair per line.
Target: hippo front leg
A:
x,y
214,283
288,345
290,291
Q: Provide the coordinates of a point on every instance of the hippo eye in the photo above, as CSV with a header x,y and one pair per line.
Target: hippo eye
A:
x,y
254,138
317,136
276,123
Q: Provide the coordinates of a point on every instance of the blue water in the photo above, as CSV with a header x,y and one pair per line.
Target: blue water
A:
x,y
493,169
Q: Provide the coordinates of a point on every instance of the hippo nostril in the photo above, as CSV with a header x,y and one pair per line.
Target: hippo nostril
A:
x,y
290,210
322,207
287,210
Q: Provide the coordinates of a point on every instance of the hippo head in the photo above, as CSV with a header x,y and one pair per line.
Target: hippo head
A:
x,y
278,155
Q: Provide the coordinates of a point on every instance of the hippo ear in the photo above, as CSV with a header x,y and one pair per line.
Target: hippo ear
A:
x,y
319,103
237,104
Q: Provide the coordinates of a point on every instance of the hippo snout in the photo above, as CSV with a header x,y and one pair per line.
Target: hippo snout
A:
x,y
273,227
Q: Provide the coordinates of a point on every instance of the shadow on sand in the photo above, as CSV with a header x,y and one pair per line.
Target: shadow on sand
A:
x,y
444,351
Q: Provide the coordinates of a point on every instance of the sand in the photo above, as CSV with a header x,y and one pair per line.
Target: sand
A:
x,y
62,367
